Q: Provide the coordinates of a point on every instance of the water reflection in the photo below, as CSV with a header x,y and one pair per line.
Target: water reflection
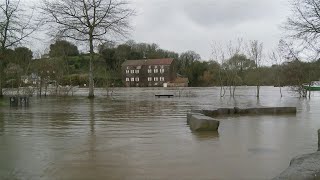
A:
x,y
1,124
92,116
261,150
307,104
203,136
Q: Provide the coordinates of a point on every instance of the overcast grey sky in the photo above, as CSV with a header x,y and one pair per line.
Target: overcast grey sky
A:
x,y
181,25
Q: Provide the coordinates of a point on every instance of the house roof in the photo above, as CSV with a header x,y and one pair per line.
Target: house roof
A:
x,y
133,63
164,61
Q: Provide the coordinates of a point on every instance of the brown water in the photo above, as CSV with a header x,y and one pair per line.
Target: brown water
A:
x,y
137,136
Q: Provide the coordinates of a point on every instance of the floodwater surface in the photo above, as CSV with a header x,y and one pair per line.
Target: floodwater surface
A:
x,y
134,135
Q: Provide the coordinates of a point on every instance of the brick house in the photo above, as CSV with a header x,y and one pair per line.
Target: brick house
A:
x,y
148,72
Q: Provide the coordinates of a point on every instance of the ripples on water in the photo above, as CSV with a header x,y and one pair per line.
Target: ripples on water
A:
x,y
137,136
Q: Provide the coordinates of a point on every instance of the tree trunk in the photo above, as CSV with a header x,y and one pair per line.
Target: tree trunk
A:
x,y
40,88
1,78
221,85
222,91
1,72
309,90
46,88
279,84
309,94
258,83
91,81
1,94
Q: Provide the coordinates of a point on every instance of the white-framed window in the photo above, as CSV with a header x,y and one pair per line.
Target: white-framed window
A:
x,y
149,71
127,71
137,71
155,70
155,79
156,67
132,79
161,78
162,66
149,79
127,79
137,79
132,71
161,70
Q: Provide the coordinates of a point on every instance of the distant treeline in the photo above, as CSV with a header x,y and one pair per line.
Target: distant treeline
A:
x,y
64,65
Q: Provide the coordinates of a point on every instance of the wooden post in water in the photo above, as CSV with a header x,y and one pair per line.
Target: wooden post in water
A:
x,y
14,101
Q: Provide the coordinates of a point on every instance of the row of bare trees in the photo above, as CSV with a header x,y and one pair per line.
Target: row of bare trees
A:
x,y
233,58
16,25
303,35
88,21
93,21
301,44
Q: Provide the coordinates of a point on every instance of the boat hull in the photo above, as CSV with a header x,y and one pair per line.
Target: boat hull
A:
x,y
312,88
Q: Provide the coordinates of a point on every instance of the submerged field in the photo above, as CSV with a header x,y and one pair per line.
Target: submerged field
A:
x,y
134,135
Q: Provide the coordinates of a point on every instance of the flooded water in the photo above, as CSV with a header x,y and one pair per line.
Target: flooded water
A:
x,y
137,136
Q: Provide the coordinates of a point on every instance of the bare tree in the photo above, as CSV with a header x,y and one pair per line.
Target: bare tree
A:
x,y
288,50
219,56
228,72
233,49
304,25
16,25
300,73
277,58
255,49
88,21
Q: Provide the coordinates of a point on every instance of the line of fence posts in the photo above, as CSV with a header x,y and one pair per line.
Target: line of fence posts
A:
x,y
16,101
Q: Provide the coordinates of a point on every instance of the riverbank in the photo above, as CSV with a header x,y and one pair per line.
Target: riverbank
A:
x,y
303,167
